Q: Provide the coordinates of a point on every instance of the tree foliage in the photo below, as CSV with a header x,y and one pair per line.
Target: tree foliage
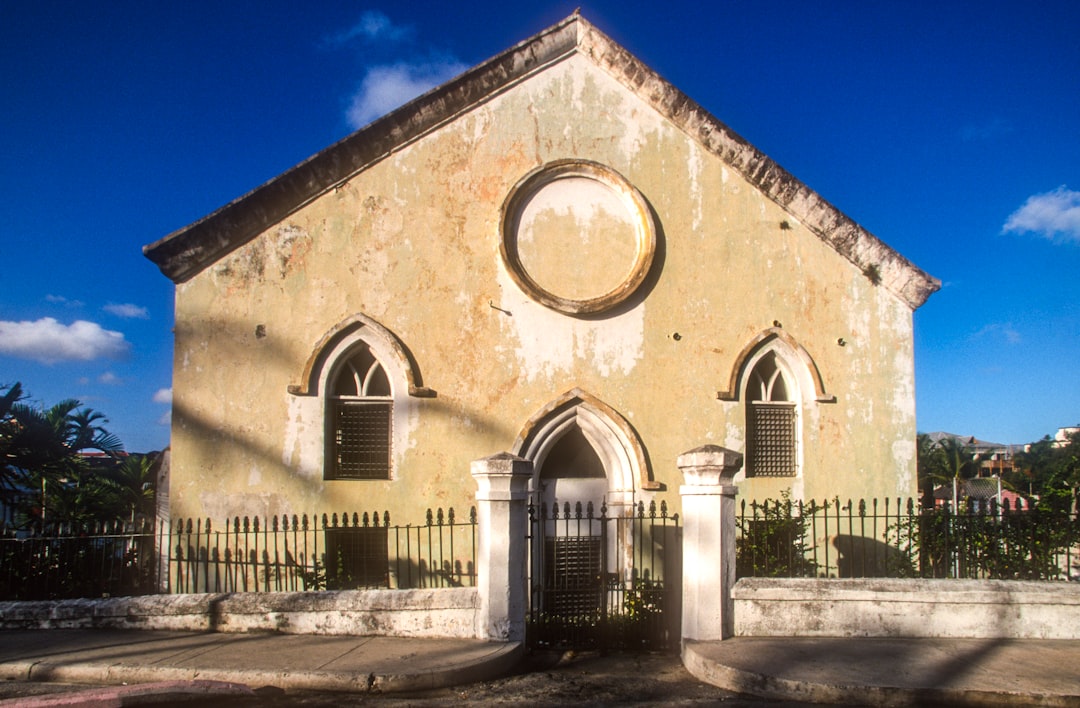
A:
x,y
46,475
1049,470
945,461
773,540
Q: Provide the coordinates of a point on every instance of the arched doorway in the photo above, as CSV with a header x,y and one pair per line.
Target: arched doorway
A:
x,y
584,526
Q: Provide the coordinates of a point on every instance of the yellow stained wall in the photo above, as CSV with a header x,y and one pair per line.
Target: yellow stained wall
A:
x,y
413,243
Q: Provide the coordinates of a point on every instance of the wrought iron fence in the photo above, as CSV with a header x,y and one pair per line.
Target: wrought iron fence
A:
x,y
95,559
250,554
894,538
603,580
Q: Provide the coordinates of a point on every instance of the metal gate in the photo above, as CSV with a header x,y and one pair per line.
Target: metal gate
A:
x,y
600,581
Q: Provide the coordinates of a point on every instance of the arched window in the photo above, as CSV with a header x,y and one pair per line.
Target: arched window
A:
x,y
360,414
361,381
772,421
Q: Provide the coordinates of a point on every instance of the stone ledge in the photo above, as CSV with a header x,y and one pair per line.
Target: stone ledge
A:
x,y
444,612
959,591
906,608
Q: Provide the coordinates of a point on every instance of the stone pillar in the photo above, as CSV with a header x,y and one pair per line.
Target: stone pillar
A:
x,y
162,535
708,504
502,550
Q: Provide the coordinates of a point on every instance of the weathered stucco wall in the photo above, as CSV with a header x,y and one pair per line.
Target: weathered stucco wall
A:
x,y
413,243
446,612
977,609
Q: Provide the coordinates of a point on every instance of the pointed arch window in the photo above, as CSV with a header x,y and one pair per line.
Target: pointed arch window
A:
x,y
360,414
772,421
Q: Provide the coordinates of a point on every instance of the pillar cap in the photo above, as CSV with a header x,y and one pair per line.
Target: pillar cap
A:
x,y
501,463
710,465
502,470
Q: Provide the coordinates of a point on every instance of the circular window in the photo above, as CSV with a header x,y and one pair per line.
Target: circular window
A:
x,y
577,237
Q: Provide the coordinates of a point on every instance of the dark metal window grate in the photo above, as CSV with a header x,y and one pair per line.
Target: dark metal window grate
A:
x,y
573,569
362,439
773,442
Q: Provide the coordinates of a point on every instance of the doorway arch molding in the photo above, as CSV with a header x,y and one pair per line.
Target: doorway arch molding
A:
x,y
612,437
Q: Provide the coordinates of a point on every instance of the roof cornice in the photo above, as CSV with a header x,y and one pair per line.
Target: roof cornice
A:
x,y
187,251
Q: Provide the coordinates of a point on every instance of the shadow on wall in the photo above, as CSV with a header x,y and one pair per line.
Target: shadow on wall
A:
x,y
216,432
861,557
313,566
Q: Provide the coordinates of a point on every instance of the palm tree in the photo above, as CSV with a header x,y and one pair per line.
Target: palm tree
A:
x,y
130,487
929,461
42,449
961,462
947,461
8,427
86,434
10,398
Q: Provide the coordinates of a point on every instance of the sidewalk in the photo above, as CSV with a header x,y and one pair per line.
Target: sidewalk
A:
x,y
288,661
886,672
893,672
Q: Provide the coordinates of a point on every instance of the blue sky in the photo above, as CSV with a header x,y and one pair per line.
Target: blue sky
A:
x,y
949,130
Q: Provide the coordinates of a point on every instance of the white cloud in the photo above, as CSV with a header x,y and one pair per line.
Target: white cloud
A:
x,y
127,310
390,81
110,379
1004,330
61,300
373,25
164,395
48,341
385,88
1053,215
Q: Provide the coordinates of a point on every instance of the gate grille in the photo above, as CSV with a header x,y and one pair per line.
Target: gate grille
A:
x,y
572,567
603,581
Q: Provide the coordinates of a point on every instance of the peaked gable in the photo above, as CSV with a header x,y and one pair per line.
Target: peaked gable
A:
x,y
184,253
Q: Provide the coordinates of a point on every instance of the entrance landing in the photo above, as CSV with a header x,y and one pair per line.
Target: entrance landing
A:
x,y
893,672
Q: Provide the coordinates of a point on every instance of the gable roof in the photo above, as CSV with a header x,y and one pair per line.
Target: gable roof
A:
x,y
184,253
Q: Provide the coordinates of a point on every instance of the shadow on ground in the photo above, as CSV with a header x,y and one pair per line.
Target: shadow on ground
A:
x,y
548,679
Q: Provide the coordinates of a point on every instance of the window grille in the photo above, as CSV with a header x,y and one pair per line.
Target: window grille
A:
x,y
362,439
360,413
773,443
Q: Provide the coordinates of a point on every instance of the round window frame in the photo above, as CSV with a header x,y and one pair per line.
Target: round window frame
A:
x,y
637,208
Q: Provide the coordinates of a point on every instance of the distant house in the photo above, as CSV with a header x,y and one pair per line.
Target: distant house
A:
x,y
993,458
555,254
980,493
1061,437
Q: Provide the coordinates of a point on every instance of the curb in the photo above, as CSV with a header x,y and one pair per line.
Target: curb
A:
x,y
502,659
499,661
773,687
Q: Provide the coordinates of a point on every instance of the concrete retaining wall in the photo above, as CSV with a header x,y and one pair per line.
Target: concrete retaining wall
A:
x,y
906,608
447,612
